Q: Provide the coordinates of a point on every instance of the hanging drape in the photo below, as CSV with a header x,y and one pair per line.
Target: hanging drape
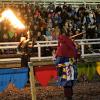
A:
x,y
18,77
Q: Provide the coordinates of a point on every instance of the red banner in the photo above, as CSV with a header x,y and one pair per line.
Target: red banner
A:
x,y
45,73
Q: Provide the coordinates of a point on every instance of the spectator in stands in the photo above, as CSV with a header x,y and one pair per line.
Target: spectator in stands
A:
x,y
55,32
34,33
43,30
49,34
66,54
49,23
77,31
58,8
57,19
98,31
90,32
36,19
40,37
97,14
16,37
51,7
5,37
69,27
43,23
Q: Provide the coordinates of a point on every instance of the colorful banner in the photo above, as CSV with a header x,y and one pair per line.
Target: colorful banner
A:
x,y
18,77
45,73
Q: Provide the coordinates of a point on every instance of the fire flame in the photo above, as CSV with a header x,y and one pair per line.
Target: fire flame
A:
x,y
9,15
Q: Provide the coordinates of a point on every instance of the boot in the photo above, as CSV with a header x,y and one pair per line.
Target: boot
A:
x,y
68,98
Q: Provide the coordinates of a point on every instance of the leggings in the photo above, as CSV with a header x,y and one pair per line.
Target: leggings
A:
x,y
68,91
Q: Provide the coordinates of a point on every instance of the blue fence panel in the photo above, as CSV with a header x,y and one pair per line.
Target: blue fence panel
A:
x,y
18,77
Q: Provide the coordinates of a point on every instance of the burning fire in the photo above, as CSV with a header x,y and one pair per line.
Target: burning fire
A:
x,y
9,15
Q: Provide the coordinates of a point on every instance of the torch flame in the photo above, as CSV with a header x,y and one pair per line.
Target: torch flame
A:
x,y
8,14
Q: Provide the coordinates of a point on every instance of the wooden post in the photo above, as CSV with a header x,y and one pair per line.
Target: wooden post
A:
x,y
32,80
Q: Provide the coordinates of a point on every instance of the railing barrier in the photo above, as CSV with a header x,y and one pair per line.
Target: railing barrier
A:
x,y
40,44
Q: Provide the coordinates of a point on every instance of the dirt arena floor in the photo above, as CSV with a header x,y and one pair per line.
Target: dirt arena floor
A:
x,y
82,91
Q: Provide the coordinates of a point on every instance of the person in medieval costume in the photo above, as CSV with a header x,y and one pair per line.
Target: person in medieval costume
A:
x,y
66,55
24,49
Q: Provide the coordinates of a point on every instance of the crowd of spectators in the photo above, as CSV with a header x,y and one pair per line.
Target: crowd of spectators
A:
x,y
45,23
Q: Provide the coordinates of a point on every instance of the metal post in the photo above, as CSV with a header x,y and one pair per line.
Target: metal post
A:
x,y
55,3
32,80
34,3
84,1
44,3
39,51
82,49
